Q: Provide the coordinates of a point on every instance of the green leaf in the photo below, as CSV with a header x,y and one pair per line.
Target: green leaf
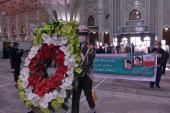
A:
x,y
38,40
37,31
78,58
54,103
60,100
78,70
19,84
47,27
71,49
45,110
66,28
28,104
71,34
22,95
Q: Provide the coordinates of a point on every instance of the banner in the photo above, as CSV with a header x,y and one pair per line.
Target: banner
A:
x,y
131,67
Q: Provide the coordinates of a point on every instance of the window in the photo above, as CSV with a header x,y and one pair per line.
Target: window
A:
x,y
147,41
90,21
135,15
135,40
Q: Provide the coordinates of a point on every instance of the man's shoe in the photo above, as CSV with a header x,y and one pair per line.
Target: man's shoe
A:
x,y
30,112
151,86
158,86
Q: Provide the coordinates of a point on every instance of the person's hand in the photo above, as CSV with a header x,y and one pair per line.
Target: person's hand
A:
x,y
12,70
90,46
158,65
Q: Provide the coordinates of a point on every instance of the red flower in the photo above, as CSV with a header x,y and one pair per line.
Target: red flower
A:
x,y
41,85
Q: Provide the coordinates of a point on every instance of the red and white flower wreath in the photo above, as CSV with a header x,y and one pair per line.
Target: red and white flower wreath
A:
x,y
39,90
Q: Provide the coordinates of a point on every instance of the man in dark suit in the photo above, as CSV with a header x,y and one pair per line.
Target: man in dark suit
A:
x,y
86,80
15,57
166,49
160,60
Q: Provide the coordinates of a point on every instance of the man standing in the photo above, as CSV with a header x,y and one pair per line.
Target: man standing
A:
x,y
85,82
15,57
160,60
10,57
166,49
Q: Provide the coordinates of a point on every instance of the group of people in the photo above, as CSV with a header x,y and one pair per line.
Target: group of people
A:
x,y
88,52
123,48
160,48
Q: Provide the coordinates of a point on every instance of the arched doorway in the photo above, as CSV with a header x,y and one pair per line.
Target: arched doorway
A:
x,y
135,15
91,21
106,38
166,35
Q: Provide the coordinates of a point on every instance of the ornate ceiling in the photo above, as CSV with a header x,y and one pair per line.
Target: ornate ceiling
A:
x,y
12,7
65,9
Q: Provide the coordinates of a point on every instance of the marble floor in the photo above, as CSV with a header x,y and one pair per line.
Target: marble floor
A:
x,y
114,96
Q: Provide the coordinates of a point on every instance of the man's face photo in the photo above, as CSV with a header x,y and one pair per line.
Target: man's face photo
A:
x,y
128,64
138,60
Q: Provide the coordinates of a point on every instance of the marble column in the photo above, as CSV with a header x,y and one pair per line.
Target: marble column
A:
x,y
101,19
0,28
111,8
160,16
82,12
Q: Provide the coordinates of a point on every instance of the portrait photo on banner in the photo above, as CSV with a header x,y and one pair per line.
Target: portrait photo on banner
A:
x,y
138,60
128,64
148,60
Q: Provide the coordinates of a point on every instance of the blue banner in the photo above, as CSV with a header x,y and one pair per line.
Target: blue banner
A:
x,y
142,66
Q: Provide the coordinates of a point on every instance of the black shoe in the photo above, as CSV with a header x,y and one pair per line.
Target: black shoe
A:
x,y
30,112
151,86
158,86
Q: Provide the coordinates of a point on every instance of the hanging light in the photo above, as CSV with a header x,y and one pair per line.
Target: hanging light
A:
x,y
166,29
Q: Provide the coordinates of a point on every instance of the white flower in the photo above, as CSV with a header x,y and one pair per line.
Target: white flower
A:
x,y
44,104
55,93
66,63
67,83
51,96
46,39
66,86
31,96
63,49
76,65
67,55
27,62
35,101
31,55
29,90
62,93
64,40
25,72
70,71
25,84
55,40
70,61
